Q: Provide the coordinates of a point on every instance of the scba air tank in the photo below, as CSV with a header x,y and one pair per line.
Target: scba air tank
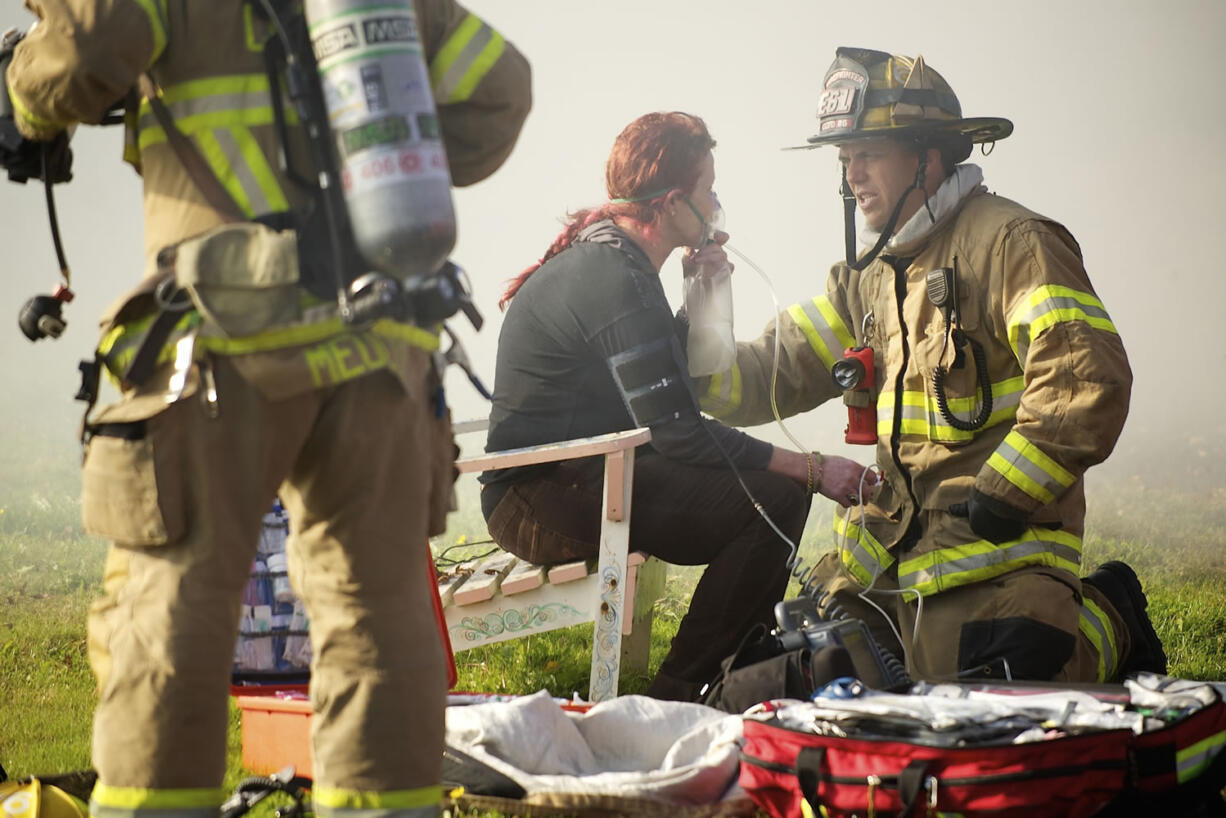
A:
x,y
393,168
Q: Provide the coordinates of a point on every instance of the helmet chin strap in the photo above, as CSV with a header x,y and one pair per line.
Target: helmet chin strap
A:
x,y
849,217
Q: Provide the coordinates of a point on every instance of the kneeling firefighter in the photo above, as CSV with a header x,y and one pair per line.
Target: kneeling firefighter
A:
x,y
974,354
282,343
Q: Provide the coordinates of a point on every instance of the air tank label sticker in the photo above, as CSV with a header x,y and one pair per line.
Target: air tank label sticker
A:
x,y
343,37
378,168
399,29
335,38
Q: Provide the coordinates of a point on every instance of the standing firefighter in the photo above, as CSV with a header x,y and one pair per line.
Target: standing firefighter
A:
x,y
245,382
996,377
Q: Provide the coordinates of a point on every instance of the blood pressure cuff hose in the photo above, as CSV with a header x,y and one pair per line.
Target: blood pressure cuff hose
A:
x,y
651,381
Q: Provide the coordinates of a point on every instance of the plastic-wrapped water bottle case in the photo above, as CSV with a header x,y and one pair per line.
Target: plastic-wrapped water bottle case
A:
x,y
273,640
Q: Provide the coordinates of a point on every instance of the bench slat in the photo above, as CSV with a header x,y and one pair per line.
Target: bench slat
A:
x,y
567,572
486,577
449,583
523,577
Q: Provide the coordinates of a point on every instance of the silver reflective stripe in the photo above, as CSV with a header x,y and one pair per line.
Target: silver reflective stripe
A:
x,y
218,112
188,113
824,338
97,810
860,552
242,172
446,85
1053,304
922,416
1050,486
1192,760
1095,625
422,802
989,561
141,802
386,812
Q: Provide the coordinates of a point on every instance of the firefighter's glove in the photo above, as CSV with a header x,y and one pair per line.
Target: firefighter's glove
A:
x,y
991,519
24,158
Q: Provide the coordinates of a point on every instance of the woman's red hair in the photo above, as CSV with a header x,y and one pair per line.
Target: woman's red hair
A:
x,y
652,156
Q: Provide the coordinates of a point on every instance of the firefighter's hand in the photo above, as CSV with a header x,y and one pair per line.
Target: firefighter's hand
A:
x,y
708,259
991,519
31,159
841,482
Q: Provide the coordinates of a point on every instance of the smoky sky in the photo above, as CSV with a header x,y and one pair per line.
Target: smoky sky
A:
x,y
1117,136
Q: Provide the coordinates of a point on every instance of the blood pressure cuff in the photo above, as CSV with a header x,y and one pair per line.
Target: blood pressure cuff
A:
x,y
651,381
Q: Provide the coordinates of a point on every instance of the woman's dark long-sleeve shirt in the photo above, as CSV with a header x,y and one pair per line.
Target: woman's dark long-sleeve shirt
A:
x,y
598,299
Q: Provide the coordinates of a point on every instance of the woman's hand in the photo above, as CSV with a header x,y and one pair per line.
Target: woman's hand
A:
x,y
708,259
832,476
841,481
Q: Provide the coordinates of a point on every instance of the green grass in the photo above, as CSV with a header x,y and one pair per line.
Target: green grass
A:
x,y
50,570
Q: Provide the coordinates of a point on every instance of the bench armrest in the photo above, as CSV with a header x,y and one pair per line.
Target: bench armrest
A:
x,y
552,452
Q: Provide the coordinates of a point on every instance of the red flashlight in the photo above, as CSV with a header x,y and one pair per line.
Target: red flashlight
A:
x,y
855,375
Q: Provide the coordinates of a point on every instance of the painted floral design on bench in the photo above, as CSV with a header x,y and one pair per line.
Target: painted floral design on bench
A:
x,y
475,629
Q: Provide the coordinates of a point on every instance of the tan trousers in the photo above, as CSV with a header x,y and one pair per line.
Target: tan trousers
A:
x,y
357,466
1029,619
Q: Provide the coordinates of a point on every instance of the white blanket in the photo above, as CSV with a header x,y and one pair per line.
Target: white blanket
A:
x,y
632,746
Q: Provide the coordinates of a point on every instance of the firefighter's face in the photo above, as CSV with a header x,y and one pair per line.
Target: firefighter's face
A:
x,y
879,171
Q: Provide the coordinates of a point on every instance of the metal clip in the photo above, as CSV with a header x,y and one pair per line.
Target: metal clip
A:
x,y
867,326
930,784
185,350
209,390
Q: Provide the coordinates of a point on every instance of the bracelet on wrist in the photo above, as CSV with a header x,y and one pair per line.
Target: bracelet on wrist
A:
x,y
814,471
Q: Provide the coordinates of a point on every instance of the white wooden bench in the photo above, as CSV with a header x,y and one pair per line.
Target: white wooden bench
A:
x,y
501,597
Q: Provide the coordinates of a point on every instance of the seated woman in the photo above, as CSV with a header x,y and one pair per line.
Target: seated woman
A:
x,y
589,345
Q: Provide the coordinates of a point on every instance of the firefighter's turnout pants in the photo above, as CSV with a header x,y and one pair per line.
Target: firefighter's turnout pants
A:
x,y
1023,618
361,465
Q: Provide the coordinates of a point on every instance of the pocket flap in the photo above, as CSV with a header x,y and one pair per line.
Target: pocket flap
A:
x,y
243,256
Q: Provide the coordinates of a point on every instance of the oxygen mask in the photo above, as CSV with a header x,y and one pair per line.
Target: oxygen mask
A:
x,y
710,346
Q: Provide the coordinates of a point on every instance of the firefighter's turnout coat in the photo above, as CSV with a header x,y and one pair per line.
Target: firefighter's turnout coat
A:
x,y
346,425
1059,377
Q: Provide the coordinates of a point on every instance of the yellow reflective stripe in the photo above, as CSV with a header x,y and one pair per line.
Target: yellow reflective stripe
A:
x,y
1094,623
464,60
1053,304
253,174
118,347
191,125
299,335
155,10
131,138
213,102
334,799
921,415
35,122
223,168
143,798
249,30
867,558
977,561
824,329
1192,760
223,85
1026,466
723,393
218,113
